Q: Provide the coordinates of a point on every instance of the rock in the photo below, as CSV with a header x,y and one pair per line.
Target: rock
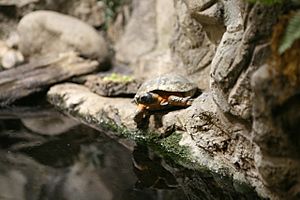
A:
x,y
159,60
149,33
191,50
210,16
119,110
155,63
13,40
164,23
140,34
276,118
46,32
90,11
231,74
116,28
241,97
11,59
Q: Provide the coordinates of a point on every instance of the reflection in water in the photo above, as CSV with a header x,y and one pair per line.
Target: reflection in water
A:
x,y
47,156
149,170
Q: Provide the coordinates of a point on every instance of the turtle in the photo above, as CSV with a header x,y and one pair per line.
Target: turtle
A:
x,y
165,91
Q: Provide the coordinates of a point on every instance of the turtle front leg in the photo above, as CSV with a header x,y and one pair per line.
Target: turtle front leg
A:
x,y
180,101
140,113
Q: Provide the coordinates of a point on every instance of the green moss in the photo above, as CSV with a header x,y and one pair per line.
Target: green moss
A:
x,y
118,78
169,147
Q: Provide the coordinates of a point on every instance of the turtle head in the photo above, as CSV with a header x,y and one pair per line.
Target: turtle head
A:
x,y
144,98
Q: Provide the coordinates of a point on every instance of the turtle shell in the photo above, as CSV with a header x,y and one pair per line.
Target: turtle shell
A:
x,y
169,83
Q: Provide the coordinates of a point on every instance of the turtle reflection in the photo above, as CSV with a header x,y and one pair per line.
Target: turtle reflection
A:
x,y
149,170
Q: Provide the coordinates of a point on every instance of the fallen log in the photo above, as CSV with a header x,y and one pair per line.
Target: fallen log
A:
x,y
41,73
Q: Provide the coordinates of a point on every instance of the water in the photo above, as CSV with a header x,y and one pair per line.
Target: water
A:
x,y
47,156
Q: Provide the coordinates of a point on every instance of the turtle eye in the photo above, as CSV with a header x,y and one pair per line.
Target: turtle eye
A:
x,y
146,98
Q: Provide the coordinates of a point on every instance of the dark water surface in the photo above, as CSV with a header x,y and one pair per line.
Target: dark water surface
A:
x,y
45,155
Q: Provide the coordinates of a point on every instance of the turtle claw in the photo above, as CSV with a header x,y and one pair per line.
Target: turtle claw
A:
x,y
133,101
189,101
164,103
141,118
139,115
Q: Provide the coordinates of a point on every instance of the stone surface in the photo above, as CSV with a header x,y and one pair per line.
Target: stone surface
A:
x,y
155,63
140,34
89,11
211,18
164,23
120,110
276,118
46,32
191,50
231,74
9,56
116,28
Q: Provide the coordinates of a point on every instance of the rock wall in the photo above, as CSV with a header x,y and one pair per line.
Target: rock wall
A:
x,y
276,117
220,45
